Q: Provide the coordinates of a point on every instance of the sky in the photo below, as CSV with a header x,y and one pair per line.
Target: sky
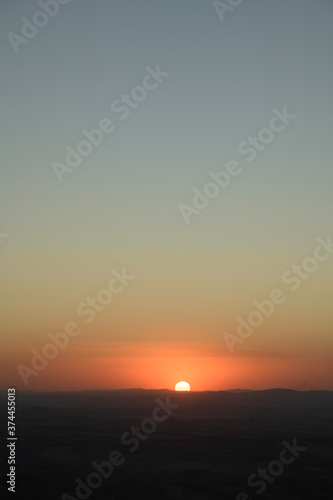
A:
x,y
195,85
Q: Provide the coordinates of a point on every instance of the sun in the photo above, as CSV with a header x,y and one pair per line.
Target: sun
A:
x,y
182,386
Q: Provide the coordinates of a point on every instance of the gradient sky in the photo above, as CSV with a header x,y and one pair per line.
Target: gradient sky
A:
x,y
120,207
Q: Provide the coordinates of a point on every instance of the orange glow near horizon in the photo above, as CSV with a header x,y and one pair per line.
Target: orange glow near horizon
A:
x,y
88,366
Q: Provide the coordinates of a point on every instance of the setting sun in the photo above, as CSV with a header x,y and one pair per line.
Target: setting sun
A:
x,y
182,386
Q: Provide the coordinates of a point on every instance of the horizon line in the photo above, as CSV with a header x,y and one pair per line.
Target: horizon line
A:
x,y
165,389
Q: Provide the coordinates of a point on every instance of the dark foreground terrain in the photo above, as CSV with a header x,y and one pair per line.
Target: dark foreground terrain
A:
x,y
206,449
